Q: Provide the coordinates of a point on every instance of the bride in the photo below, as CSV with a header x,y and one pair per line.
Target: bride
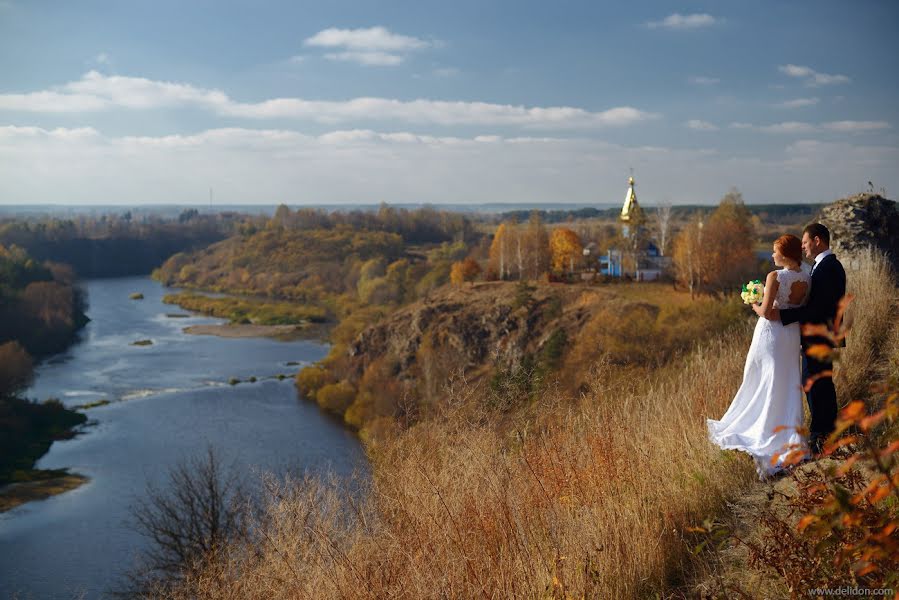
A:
x,y
764,416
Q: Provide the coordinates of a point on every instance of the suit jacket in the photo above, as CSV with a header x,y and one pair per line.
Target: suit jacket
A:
x,y
828,287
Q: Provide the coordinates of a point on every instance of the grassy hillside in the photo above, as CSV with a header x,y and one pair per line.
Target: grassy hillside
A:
x,y
597,494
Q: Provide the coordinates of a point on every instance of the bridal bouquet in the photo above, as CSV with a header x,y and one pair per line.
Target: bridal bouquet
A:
x,y
752,292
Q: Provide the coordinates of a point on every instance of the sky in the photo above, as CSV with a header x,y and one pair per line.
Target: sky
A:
x,y
465,102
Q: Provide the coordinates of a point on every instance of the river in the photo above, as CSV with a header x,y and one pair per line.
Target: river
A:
x,y
169,401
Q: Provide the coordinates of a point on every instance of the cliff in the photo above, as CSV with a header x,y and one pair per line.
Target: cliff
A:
x,y
861,221
513,338
489,322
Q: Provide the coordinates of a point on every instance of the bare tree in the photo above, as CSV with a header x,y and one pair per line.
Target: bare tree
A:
x,y
190,519
663,222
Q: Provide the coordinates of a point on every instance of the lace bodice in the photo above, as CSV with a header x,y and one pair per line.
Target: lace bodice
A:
x,y
786,278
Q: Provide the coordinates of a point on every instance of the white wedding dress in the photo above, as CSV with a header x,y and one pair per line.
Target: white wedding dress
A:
x,y
771,393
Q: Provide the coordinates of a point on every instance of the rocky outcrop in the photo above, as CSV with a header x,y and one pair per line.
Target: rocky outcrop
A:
x,y
862,221
486,323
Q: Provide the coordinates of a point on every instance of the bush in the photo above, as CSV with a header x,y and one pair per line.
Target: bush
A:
x,y
336,397
310,379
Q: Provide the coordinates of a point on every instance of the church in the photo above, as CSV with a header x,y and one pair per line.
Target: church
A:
x,y
634,255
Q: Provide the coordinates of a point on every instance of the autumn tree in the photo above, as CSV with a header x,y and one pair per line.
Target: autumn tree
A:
x,y
499,251
565,248
717,253
536,247
689,255
464,270
15,368
282,217
50,302
663,224
729,239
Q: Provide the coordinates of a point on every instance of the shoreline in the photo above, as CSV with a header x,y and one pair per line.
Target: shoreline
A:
x,y
248,330
17,494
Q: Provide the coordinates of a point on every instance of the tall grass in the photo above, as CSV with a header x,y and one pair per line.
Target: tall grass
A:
x,y
871,346
584,497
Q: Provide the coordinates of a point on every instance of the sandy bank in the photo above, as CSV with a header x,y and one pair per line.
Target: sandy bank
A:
x,y
15,494
283,332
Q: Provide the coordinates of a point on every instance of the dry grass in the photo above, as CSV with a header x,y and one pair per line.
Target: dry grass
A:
x,y
584,497
871,347
570,497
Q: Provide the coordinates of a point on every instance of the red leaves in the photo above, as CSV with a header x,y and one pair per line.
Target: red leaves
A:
x,y
819,352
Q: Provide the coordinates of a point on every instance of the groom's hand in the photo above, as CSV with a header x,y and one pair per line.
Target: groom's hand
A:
x,y
772,315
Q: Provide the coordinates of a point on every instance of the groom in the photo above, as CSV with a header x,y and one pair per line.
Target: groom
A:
x,y
828,287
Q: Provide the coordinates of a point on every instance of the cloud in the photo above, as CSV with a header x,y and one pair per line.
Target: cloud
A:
x,y
103,59
703,80
788,127
699,125
803,127
381,59
678,21
798,103
96,92
446,72
375,46
812,78
856,126
363,165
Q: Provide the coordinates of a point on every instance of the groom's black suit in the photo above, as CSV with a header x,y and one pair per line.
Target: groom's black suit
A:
x,y
828,287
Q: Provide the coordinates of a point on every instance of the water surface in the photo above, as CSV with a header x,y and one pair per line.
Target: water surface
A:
x,y
169,401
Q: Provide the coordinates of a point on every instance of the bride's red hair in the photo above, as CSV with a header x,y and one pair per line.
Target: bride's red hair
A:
x,y
790,246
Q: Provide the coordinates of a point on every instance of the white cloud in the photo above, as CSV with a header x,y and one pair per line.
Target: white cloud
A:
x,y
103,59
372,46
678,21
95,91
856,126
362,165
446,72
381,59
373,38
703,80
812,78
798,103
788,127
700,125
804,127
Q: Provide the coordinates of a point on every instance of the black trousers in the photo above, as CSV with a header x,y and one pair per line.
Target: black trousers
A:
x,y
822,400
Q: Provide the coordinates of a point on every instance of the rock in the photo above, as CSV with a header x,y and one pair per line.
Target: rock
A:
x,y
862,221
136,296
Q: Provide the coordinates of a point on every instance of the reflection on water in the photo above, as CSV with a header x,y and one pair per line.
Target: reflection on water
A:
x,y
168,401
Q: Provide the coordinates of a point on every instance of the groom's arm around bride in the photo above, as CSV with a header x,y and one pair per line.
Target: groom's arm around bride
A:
x,y
828,286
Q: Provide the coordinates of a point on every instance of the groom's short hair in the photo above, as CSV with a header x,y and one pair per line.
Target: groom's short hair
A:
x,y
818,230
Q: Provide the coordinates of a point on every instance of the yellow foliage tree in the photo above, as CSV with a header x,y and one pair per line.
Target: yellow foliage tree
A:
x,y
464,270
729,239
565,249
535,259
499,251
717,253
689,255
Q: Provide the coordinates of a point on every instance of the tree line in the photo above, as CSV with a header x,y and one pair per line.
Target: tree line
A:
x,y
41,309
115,245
